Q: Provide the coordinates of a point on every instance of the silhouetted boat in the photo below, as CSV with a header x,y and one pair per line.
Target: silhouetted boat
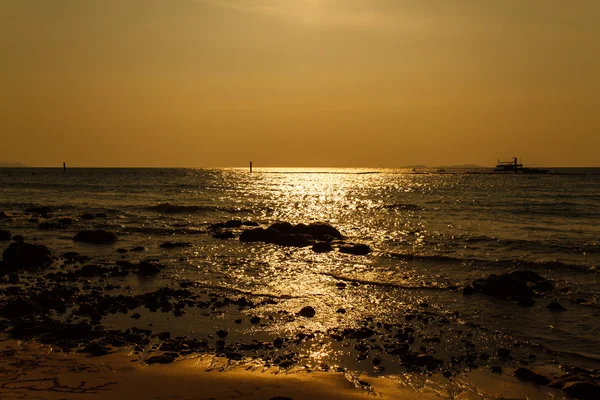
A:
x,y
514,167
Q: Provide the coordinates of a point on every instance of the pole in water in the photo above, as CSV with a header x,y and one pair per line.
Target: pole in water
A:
x,y
250,166
64,166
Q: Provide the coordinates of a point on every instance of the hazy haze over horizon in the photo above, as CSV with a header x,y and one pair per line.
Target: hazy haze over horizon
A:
x,y
365,83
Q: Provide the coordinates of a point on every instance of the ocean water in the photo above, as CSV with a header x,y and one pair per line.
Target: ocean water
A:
x,y
431,235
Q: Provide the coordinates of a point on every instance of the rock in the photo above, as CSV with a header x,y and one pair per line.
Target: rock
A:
x,y
224,235
3,215
222,333
503,353
554,306
95,349
543,286
307,312
322,247
162,359
122,251
148,268
136,316
249,223
255,235
357,249
174,245
18,238
101,215
20,255
320,231
96,237
528,276
529,375
50,226
292,240
88,217
4,234
421,360
138,249
585,390
504,285
42,210
254,320
468,290
496,369
17,307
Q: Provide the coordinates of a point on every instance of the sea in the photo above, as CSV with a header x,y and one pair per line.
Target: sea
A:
x,y
432,233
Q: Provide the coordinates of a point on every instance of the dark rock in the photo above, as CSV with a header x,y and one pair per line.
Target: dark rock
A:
x,y
20,255
138,249
148,268
503,353
173,245
307,312
249,223
224,235
340,311
18,307
257,235
162,359
88,217
357,249
122,251
322,247
222,333
42,210
96,237
504,285
320,231
101,215
254,320
136,316
543,286
3,215
421,360
496,369
469,290
234,223
18,238
585,390
362,333
528,276
292,240
4,234
529,375
49,226
95,349
554,306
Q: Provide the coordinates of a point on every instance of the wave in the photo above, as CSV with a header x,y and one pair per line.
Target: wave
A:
x,y
503,263
168,208
385,284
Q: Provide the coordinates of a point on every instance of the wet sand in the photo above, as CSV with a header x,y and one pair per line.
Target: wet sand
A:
x,y
32,371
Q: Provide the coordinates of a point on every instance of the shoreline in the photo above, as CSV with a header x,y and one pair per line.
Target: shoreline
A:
x,y
34,371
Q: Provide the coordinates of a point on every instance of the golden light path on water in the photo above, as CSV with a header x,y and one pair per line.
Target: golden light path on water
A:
x,y
329,282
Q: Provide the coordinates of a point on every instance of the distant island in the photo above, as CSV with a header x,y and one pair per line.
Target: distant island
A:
x,y
12,165
447,166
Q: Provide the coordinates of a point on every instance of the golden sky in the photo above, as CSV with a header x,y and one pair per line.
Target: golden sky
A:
x,y
366,83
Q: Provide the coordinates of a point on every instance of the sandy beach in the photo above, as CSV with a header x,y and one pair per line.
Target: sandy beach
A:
x,y
34,371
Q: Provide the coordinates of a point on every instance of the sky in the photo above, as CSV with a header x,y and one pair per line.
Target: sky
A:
x,y
319,83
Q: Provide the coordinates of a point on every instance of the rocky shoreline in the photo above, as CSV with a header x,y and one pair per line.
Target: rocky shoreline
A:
x,y
64,300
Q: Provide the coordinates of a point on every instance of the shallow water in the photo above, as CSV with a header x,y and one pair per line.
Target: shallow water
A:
x,y
430,232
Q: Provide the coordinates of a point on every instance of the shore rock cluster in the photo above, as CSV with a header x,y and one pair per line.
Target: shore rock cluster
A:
x,y
65,301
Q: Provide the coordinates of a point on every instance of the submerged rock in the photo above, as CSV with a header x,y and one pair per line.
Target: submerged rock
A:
x,y
504,285
21,255
96,237
357,249
286,234
307,312
174,245
322,247
529,375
